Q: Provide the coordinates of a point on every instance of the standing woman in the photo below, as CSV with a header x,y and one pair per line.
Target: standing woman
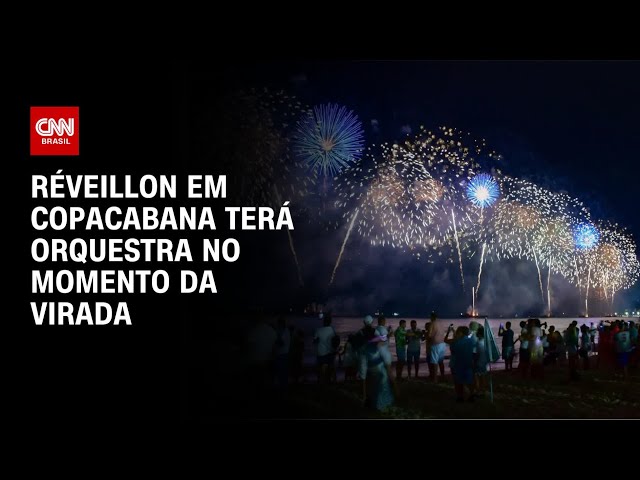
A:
x,y
536,349
374,370
382,331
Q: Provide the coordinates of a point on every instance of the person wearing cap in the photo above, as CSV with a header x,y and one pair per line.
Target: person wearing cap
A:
x,y
358,340
382,331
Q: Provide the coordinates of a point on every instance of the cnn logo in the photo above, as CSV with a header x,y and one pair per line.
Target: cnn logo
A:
x,y
47,127
54,131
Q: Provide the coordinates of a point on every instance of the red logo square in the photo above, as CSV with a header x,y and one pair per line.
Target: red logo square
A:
x,y
55,130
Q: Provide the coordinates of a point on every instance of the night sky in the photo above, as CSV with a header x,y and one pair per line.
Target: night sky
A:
x,y
568,126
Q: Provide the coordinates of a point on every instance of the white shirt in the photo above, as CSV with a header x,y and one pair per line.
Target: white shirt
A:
x,y
324,336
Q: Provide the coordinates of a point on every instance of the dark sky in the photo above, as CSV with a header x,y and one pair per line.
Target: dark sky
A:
x,y
573,124
570,126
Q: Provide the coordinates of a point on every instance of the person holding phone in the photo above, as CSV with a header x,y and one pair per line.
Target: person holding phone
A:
x,y
461,362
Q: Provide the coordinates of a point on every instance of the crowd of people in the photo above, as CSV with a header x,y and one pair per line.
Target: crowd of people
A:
x,y
366,355
616,346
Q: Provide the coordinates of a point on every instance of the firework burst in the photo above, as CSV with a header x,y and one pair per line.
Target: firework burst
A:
x,y
410,195
329,139
614,263
483,190
426,196
586,236
397,199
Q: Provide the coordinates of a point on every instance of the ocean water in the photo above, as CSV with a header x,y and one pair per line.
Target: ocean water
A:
x,y
348,325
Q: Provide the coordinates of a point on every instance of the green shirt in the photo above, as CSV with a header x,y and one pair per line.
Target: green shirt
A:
x,y
401,337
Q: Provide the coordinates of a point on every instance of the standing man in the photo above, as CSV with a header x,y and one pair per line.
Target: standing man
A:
x,y
325,351
437,348
401,348
622,342
507,345
414,337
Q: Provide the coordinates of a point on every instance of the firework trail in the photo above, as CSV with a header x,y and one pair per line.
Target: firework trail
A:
x,y
523,219
555,242
344,242
295,257
552,234
613,293
586,295
455,232
535,257
484,245
549,289
577,277
536,224
586,238
291,246
482,191
473,301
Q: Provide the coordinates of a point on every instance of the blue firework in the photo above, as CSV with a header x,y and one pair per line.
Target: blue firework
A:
x,y
586,236
329,139
483,190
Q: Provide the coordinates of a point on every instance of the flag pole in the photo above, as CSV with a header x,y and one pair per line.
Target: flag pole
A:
x,y
490,383
492,352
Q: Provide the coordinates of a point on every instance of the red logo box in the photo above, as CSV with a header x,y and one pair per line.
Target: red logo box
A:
x,y
55,130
